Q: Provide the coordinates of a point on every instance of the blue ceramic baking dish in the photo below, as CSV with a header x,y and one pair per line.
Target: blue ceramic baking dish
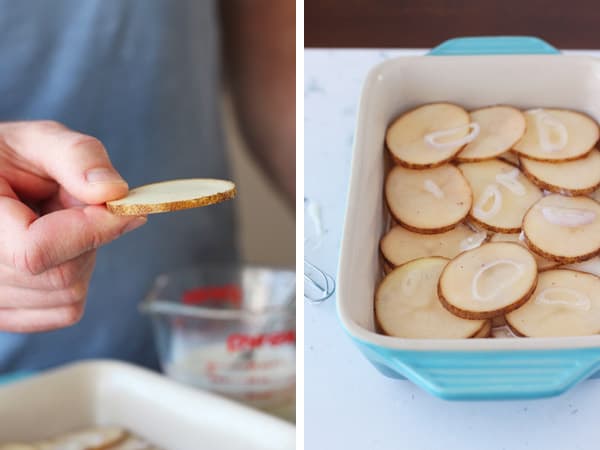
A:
x,y
474,72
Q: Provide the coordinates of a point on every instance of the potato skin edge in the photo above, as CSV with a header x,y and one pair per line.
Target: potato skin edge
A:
x,y
559,259
143,209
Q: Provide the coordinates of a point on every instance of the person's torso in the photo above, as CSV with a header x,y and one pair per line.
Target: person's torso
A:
x,y
143,77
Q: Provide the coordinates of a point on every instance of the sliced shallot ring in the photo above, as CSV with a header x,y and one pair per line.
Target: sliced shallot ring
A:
x,y
545,121
500,286
473,241
510,182
582,301
433,188
568,217
490,191
492,211
430,139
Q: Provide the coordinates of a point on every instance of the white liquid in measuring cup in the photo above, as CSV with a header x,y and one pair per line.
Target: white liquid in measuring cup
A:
x,y
264,378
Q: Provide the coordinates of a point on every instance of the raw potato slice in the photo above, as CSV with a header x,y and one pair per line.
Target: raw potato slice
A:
x,y
100,438
578,177
400,245
510,157
564,229
172,196
407,305
430,200
488,281
557,135
501,195
590,266
542,263
486,330
500,127
407,137
565,303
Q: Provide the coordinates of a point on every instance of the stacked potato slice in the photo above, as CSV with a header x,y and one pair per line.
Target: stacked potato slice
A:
x,y
496,224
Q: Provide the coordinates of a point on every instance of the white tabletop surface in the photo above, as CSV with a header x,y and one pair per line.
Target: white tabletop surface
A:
x,y
348,404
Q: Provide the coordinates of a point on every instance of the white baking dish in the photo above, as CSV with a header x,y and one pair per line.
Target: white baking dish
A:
x,y
457,369
170,415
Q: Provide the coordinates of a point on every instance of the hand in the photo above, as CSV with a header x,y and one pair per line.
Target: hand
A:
x,y
53,182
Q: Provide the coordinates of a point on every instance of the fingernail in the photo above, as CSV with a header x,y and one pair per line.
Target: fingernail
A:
x,y
103,175
136,223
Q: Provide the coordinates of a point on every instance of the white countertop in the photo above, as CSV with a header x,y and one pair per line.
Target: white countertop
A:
x,y
348,404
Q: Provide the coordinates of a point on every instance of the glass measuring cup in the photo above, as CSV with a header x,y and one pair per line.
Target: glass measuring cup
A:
x,y
230,329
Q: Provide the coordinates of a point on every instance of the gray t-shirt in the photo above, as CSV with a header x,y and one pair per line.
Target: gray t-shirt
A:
x,y
144,77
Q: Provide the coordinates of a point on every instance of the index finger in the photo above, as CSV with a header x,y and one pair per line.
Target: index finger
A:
x,y
74,160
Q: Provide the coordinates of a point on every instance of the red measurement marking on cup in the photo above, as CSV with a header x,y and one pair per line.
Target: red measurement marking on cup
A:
x,y
240,342
230,293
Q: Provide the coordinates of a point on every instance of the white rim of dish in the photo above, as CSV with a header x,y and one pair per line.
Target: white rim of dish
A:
x,y
369,337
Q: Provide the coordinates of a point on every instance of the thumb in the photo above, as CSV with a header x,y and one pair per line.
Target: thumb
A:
x,y
34,244
63,235
76,161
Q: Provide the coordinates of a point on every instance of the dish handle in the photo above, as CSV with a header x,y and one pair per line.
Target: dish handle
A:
x,y
490,375
494,45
